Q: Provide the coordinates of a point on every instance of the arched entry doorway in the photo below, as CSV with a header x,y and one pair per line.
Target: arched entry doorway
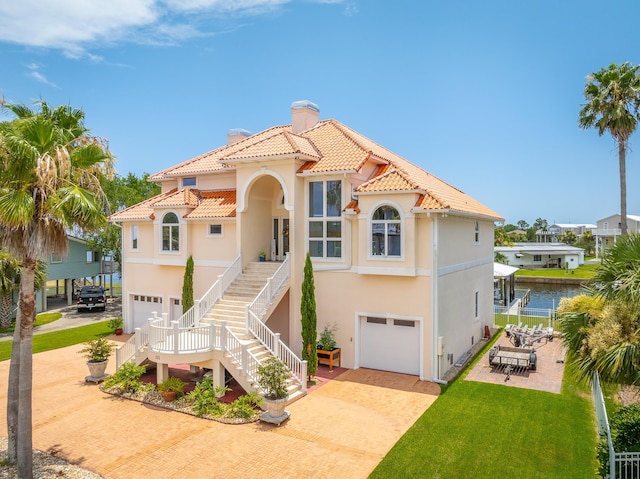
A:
x,y
265,220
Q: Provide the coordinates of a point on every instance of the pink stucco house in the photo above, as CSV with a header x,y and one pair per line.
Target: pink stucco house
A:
x,y
403,261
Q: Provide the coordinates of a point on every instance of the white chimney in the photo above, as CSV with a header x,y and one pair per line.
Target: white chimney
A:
x,y
236,134
304,115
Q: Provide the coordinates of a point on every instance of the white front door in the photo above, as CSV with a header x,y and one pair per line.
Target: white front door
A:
x,y
390,344
280,237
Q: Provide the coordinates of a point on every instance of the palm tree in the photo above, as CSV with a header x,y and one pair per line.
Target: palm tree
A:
x,y
607,340
9,267
49,183
613,97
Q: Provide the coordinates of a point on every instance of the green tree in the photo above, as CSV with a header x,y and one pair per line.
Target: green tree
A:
x,y
613,98
587,242
608,342
523,225
50,169
9,268
309,319
569,237
187,286
122,192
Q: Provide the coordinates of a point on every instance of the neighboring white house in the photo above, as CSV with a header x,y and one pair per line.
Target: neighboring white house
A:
x,y
403,261
542,255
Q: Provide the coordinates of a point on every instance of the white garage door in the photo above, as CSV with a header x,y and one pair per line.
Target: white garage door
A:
x,y
143,308
390,344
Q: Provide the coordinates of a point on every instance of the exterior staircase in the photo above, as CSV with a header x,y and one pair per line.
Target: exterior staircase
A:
x,y
232,308
232,328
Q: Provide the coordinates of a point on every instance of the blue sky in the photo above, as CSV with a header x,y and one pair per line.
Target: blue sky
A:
x,y
484,95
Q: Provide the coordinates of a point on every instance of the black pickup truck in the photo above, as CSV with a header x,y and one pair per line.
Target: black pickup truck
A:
x,y
92,297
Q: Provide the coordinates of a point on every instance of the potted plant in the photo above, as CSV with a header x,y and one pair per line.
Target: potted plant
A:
x,y
262,255
116,325
327,340
273,375
171,388
97,352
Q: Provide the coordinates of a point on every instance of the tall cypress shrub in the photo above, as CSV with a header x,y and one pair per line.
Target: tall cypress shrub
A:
x,y
187,286
309,319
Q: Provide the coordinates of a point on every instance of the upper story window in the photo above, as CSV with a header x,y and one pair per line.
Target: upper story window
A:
x,y
215,230
189,181
134,236
386,232
170,233
477,232
325,219
55,258
92,257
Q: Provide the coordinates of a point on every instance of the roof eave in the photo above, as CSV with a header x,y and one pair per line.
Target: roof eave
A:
x,y
325,173
254,159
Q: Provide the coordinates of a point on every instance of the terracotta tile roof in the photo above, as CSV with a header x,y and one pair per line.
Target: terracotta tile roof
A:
x,y
205,204
215,204
336,148
392,180
280,144
186,197
210,162
353,205
141,211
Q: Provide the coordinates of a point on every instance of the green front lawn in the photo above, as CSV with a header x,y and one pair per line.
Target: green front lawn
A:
x,y
492,431
60,339
586,271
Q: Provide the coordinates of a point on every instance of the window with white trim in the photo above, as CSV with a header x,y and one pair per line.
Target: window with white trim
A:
x,y
134,236
325,219
386,232
189,181
170,233
55,258
215,230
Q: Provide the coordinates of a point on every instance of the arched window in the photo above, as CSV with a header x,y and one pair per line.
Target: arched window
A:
x,y
386,233
170,233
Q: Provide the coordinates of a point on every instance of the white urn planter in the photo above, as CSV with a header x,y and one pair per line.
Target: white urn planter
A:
x,y
96,371
275,411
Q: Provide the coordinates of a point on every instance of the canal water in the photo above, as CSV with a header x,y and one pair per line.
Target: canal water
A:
x,y
547,296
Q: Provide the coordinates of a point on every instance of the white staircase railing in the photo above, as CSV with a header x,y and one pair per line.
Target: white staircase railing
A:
x,y
266,295
268,338
188,335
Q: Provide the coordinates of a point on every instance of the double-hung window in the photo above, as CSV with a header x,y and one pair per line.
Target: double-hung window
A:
x,y
325,219
170,233
386,232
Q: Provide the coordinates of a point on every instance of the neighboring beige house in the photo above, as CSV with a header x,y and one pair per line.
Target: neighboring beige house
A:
x,y
554,233
609,228
403,261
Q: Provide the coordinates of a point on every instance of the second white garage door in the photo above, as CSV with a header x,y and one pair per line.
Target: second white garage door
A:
x,y
143,308
390,344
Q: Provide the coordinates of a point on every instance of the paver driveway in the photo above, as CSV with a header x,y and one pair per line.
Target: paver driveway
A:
x,y
342,429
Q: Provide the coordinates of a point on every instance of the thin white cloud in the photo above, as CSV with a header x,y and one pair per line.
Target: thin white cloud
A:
x,y
34,72
77,26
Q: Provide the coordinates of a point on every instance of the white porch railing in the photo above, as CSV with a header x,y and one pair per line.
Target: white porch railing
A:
x,y
171,338
622,465
265,297
189,319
